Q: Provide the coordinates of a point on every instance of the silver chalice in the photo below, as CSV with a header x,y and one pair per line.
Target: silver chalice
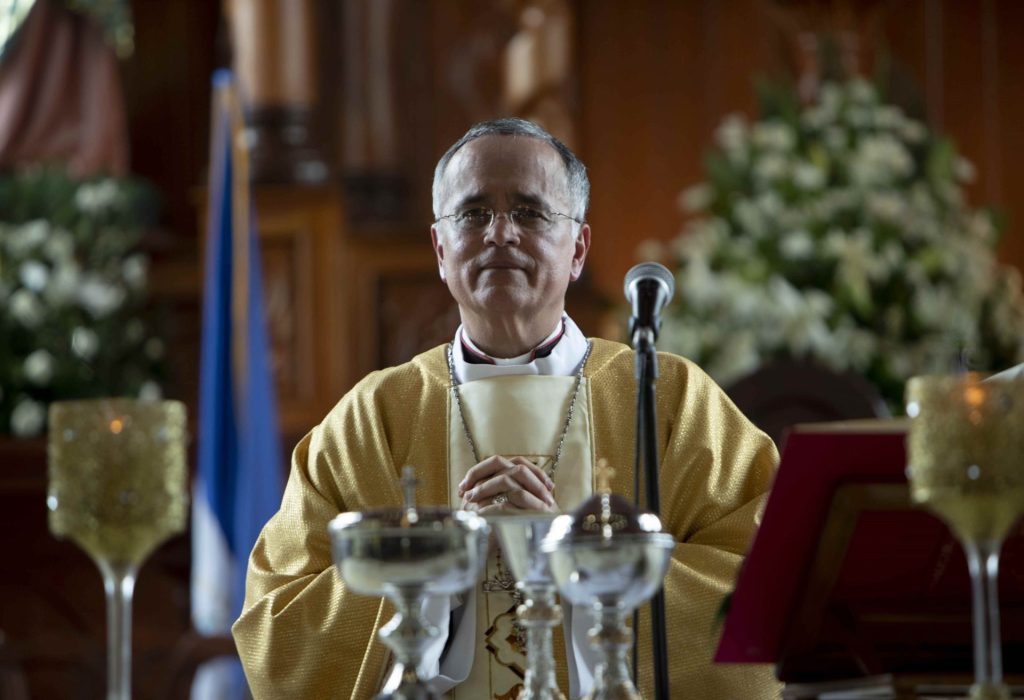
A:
x,y
609,557
409,554
520,535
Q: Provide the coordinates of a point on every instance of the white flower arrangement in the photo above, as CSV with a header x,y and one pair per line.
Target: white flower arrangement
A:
x,y
839,233
72,295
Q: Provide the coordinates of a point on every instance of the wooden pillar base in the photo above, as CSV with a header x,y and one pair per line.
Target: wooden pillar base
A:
x,y
282,147
375,197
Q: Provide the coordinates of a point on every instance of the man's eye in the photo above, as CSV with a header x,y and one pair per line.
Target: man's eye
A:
x,y
528,215
475,216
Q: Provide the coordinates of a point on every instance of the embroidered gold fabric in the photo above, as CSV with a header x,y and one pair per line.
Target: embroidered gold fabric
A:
x,y
516,416
302,635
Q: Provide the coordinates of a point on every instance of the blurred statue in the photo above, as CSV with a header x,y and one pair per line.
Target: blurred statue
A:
x,y
60,91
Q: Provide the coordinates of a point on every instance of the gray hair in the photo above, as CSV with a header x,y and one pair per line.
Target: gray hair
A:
x,y
575,171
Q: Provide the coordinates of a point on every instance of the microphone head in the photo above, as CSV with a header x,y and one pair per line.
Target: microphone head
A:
x,y
651,270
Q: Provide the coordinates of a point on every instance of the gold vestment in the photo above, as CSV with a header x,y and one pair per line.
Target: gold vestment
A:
x,y
302,635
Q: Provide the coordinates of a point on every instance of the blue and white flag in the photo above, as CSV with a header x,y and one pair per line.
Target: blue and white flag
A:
x,y
238,483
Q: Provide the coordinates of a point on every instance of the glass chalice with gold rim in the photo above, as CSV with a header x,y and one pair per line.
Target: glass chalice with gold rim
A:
x,y
965,447
117,489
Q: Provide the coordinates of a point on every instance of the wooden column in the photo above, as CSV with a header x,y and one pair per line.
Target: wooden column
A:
x,y
370,121
274,44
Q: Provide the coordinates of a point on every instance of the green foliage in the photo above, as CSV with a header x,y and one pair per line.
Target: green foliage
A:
x,y
840,232
72,294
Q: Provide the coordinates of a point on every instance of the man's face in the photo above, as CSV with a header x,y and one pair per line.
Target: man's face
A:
x,y
504,270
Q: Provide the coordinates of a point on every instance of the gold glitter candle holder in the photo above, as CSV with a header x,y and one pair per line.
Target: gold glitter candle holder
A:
x,y
965,447
118,489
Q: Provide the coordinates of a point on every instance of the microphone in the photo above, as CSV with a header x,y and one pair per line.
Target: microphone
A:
x,y
648,287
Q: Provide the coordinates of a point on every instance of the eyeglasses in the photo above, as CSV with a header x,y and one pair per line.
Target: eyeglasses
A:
x,y
526,219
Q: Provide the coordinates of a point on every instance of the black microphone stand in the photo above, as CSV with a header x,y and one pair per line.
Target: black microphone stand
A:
x,y
647,463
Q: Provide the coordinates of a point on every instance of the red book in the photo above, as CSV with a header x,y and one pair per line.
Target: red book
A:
x,y
846,579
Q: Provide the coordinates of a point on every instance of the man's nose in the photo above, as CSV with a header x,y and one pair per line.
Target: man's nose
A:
x,y
502,231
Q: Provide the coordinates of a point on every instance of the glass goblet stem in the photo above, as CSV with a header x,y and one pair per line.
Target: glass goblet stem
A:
x,y
539,614
119,584
983,562
612,636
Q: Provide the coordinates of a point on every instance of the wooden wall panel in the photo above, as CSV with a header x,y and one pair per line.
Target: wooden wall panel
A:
x,y
1007,149
414,312
167,93
655,80
963,58
387,275
905,44
963,88
305,273
287,248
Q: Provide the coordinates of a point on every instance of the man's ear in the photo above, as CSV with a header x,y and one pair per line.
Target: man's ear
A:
x,y
436,241
579,254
